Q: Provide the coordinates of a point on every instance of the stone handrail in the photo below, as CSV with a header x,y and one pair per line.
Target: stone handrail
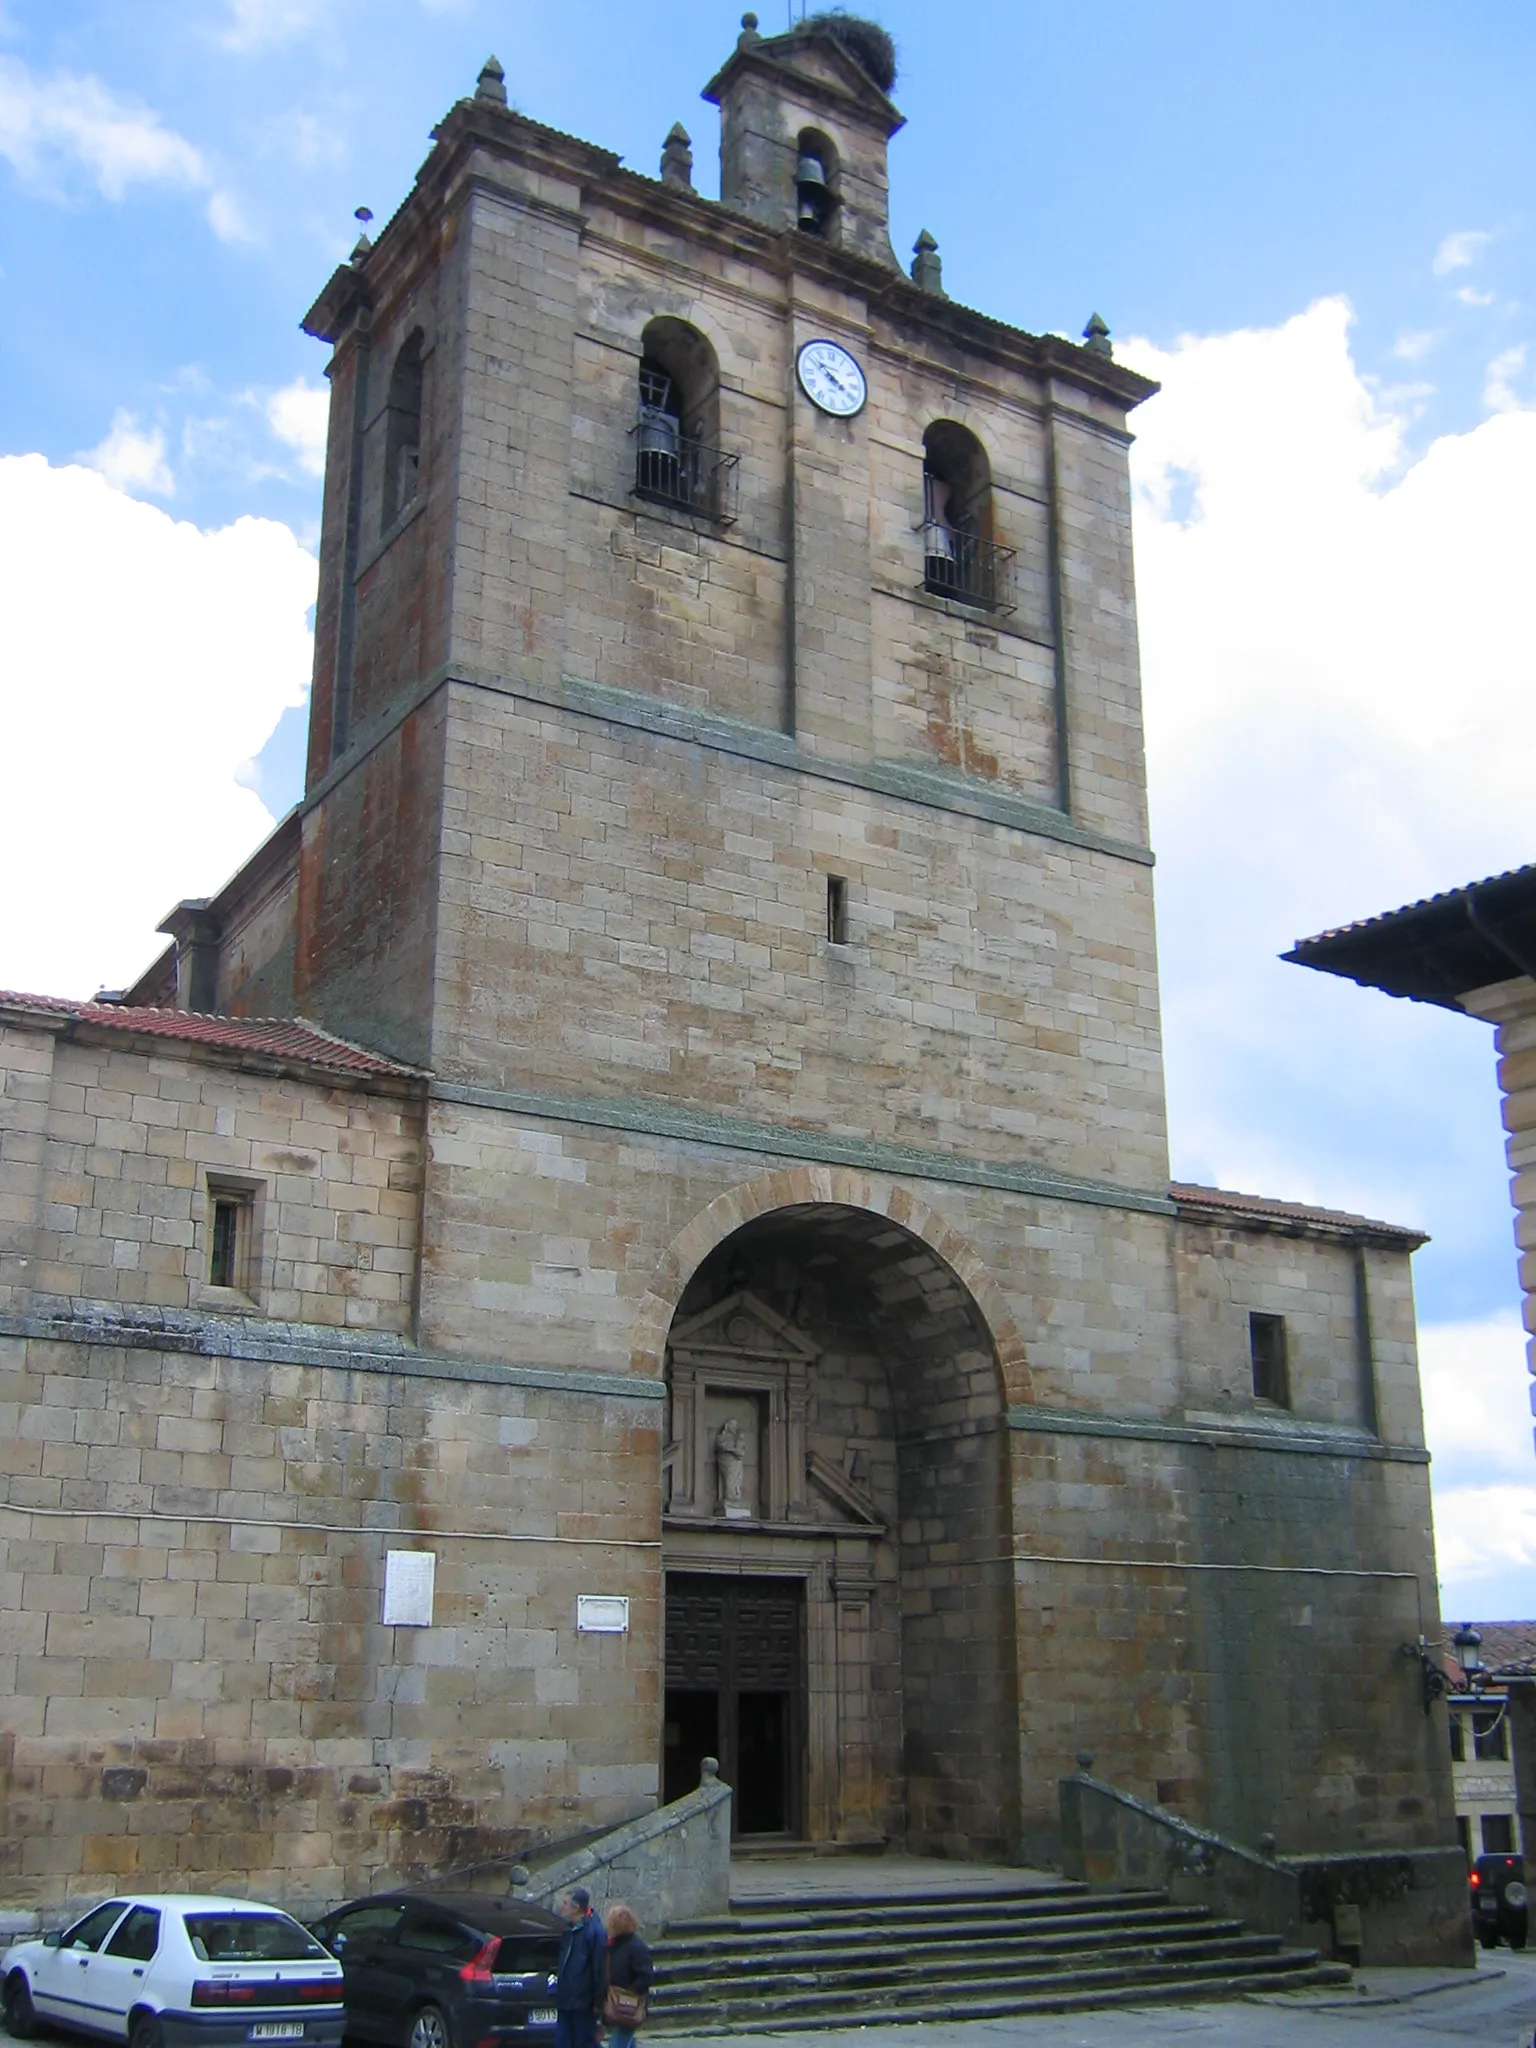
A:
x,y
1383,1907
1112,1839
673,1864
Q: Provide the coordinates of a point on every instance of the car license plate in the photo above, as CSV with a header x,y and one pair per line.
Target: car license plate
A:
x,y
278,2030
543,2017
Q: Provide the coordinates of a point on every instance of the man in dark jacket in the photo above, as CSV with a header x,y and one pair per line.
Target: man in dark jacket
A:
x,y
580,1974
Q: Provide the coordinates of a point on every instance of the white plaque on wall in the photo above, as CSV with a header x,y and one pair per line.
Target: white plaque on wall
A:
x,y
408,1576
602,1614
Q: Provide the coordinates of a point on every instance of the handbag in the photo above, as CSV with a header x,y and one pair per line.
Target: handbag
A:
x,y
622,2008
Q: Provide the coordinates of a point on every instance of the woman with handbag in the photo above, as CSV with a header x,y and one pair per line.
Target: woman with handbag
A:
x,y
629,1976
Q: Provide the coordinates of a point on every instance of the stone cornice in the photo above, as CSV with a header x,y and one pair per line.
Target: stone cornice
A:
x,y
473,125
57,1320
1298,1439
681,1124
909,781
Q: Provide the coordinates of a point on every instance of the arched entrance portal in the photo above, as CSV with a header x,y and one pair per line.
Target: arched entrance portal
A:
x,y
839,1609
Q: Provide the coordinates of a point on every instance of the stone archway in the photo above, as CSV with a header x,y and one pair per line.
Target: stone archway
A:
x,y
798,1185
838,1437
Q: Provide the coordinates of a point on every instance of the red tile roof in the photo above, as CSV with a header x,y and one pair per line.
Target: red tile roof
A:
x,y
1265,1208
277,1038
1508,1646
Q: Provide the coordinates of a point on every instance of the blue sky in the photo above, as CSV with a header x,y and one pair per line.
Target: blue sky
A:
x,y
1314,222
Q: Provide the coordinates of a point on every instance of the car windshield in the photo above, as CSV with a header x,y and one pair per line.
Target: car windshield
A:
x,y
249,1938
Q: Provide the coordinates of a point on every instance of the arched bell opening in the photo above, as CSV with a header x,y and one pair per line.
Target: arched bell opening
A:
x,y
960,557
816,184
678,460
839,1583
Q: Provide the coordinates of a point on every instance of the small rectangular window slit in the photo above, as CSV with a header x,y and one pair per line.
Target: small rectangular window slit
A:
x,y
837,910
231,1236
1266,1348
224,1265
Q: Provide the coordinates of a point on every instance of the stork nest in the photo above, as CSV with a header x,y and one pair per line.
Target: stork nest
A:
x,y
867,43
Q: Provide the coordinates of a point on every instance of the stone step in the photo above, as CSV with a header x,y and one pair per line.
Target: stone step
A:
x,y
838,1949
1075,1990
789,1980
964,1896
784,1915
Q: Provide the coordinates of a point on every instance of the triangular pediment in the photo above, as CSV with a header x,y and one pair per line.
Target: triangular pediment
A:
x,y
817,63
743,1327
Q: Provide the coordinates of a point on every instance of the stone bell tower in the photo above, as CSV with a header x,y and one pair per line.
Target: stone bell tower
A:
x,y
726,783
804,123
739,1247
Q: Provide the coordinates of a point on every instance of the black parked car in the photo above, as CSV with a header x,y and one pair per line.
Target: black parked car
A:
x,y
1499,1906
424,1971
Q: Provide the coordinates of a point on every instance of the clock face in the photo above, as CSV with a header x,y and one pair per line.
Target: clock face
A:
x,y
831,379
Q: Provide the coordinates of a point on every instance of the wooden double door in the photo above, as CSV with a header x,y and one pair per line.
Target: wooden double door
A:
x,y
735,1689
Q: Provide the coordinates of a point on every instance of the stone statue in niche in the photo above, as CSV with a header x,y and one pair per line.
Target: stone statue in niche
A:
x,y
731,1465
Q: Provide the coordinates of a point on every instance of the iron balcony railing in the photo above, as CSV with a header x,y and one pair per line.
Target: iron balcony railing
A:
x,y
966,567
673,468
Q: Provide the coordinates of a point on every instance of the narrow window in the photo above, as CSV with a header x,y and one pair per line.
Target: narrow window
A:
x,y
1458,1738
1498,1834
837,910
231,1212
1464,1834
402,434
1266,1345
1490,1737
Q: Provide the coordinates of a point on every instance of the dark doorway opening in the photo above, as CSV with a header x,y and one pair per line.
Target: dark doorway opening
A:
x,y
735,1690
693,1733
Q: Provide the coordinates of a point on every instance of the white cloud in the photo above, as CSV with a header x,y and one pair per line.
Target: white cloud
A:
x,y
129,718
1470,296
1412,348
1499,393
298,415
133,457
254,25
1482,1533
1477,1399
68,123
227,219
1339,651
1460,251
1340,647
1478,1425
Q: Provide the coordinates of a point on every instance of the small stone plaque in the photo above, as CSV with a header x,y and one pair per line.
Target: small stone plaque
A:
x,y
408,1577
602,1614
1346,1926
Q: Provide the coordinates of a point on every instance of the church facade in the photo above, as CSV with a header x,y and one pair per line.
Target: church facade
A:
x,y
639,1225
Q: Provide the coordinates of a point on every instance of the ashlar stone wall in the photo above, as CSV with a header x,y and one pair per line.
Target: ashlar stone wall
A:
x,y
1349,1325
124,1148
997,995
197,1691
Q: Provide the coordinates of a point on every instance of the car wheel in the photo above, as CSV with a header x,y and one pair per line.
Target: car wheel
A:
x,y
1517,1939
1489,1940
144,2031
20,2012
429,2029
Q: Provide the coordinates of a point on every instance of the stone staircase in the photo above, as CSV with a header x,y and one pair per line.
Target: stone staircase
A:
x,y
853,1959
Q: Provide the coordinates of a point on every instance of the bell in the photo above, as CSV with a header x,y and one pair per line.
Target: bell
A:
x,y
808,171
808,213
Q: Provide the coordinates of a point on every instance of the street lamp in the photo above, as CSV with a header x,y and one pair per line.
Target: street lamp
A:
x,y
1433,1677
1469,1655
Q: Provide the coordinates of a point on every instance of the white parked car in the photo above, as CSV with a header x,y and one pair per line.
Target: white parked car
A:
x,y
178,1972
